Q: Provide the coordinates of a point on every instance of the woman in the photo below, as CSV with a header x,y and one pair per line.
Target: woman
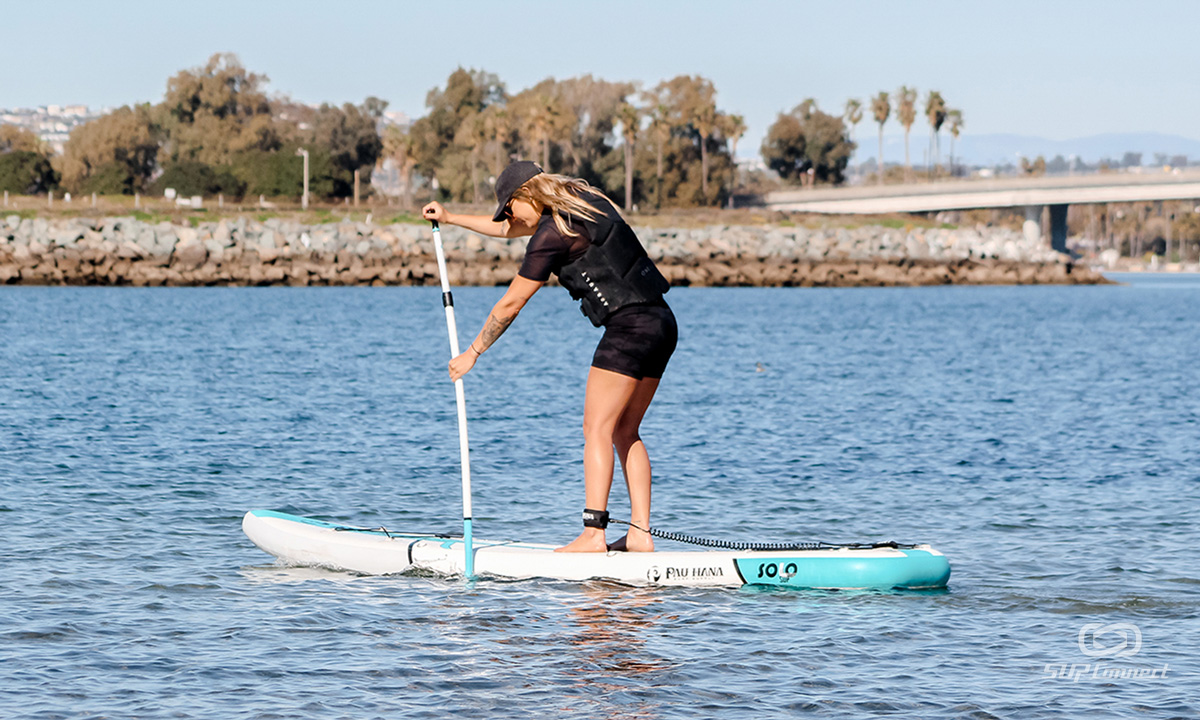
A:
x,y
578,235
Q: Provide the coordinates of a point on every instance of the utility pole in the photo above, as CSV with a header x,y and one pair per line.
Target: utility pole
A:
x,y
304,198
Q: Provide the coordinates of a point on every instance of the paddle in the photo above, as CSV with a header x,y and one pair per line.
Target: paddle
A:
x,y
460,397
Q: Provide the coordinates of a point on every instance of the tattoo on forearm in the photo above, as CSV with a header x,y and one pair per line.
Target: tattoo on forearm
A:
x,y
493,329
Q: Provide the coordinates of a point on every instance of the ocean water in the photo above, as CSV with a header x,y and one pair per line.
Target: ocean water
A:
x,y
1044,438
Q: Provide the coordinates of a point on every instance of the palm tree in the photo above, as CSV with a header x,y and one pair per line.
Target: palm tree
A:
x,y
704,120
473,134
935,112
906,110
956,125
660,130
544,119
630,118
881,107
733,128
853,114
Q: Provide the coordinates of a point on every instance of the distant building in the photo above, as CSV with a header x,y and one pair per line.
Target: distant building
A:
x,y
396,117
51,123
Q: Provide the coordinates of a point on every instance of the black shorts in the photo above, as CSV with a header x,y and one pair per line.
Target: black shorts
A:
x,y
638,341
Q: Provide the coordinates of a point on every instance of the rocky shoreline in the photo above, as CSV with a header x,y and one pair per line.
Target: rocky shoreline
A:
x,y
127,251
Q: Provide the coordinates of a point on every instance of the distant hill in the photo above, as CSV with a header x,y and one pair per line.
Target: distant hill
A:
x,y
1002,148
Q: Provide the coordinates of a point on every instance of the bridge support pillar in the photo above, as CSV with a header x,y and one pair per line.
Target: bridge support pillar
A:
x,y
1058,228
1032,229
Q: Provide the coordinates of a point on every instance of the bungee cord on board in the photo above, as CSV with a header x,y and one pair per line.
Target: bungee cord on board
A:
x,y
757,546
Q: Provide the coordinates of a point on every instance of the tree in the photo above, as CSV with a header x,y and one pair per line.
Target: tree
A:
x,y
935,112
374,107
124,143
592,107
806,138
630,119
349,136
25,166
1058,165
704,119
14,138
499,126
398,145
210,114
279,173
906,111
660,129
473,135
881,107
546,122
955,117
544,119
189,177
733,128
435,154
692,104
26,172
853,114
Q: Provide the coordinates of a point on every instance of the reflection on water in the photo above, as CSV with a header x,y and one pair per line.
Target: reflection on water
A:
x,y
609,645
611,624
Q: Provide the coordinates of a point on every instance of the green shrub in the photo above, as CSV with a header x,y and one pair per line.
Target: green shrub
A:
x,y
189,177
281,173
26,173
110,179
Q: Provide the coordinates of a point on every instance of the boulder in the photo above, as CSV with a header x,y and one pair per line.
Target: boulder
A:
x,y
222,235
67,236
130,251
165,241
189,256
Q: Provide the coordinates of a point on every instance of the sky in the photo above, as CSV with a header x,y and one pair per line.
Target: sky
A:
x,y
1057,69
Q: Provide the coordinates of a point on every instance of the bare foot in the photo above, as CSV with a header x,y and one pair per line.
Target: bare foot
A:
x,y
590,540
639,542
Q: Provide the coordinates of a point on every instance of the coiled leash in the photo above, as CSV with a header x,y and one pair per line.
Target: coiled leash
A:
x,y
600,519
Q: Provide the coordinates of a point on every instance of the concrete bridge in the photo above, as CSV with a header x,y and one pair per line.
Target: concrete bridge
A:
x,y
1032,194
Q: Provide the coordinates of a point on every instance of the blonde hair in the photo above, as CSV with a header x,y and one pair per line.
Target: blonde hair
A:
x,y
563,195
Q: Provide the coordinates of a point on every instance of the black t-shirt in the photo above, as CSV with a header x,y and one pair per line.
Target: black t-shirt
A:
x,y
549,250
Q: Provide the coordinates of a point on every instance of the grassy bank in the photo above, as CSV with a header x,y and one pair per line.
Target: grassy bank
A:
x,y
155,210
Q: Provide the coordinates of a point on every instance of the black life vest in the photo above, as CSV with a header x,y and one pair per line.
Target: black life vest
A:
x,y
615,271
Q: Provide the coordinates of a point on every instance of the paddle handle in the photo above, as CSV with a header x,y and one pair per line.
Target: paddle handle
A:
x,y
461,400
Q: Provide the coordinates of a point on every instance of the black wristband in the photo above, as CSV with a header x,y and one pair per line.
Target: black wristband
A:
x,y
595,518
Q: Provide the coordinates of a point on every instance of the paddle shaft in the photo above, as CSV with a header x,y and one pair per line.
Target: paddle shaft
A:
x,y
461,398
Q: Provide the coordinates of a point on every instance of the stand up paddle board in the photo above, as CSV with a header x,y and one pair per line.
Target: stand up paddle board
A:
x,y
301,541
307,542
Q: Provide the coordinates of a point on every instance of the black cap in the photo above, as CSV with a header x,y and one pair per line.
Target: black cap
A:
x,y
513,177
